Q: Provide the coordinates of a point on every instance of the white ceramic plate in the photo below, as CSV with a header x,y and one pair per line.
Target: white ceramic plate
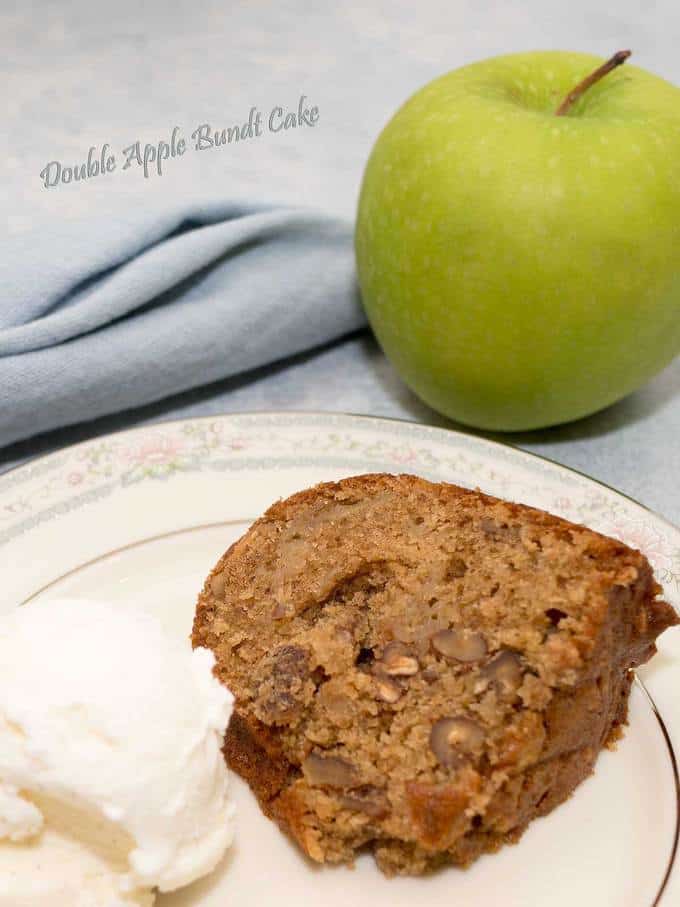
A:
x,y
144,514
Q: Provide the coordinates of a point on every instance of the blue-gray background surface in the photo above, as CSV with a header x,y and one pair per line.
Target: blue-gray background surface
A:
x,y
80,73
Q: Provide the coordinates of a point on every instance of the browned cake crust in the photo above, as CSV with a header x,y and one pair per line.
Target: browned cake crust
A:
x,y
421,669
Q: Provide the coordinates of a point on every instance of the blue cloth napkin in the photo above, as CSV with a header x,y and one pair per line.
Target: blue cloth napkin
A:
x,y
106,317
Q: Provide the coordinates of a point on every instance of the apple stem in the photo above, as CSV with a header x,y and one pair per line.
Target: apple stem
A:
x,y
601,71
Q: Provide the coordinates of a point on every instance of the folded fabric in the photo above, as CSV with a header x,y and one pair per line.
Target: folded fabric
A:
x,y
108,319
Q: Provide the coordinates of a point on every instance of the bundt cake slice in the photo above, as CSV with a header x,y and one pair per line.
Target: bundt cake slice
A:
x,y
420,669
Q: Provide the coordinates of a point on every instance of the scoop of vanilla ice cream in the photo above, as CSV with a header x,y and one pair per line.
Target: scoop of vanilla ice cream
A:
x,y
111,770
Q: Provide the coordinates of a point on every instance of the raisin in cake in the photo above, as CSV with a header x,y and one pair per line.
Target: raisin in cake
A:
x,y
421,669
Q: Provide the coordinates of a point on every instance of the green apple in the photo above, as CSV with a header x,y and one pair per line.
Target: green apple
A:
x,y
522,268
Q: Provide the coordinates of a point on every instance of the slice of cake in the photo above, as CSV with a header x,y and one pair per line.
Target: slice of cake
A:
x,y
421,669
